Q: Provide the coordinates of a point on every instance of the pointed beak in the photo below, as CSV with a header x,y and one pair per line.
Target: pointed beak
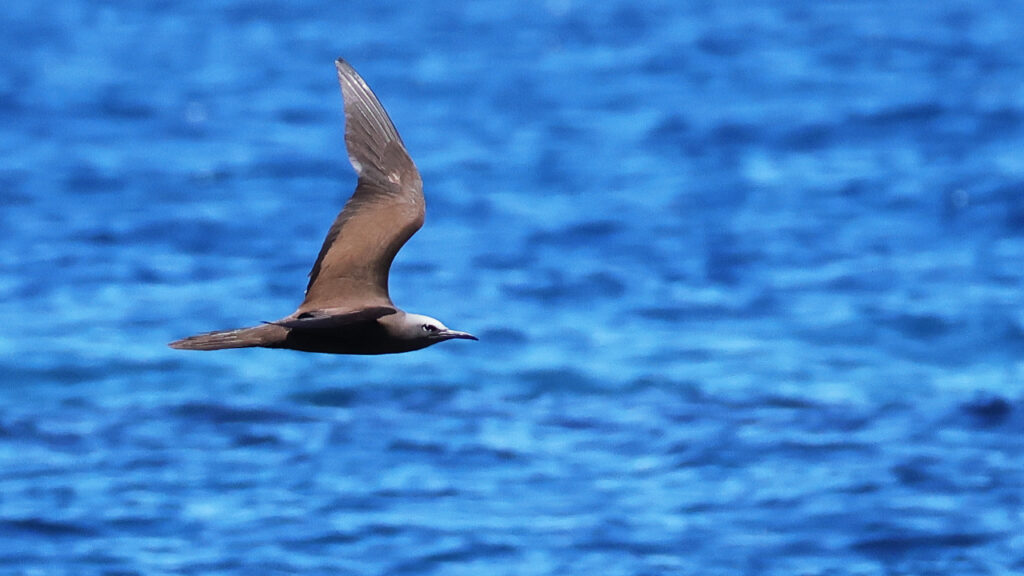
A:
x,y
455,334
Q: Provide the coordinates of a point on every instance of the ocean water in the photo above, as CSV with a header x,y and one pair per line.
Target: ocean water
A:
x,y
748,279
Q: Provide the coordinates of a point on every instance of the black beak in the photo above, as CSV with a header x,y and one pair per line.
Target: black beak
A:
x,y
456,335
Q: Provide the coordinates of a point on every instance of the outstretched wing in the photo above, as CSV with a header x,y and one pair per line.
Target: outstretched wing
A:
x,y
385,210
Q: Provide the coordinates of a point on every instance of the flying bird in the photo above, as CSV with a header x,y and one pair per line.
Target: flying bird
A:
x,y
347,309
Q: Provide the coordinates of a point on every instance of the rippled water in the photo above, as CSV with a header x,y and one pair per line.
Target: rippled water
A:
x,y
748,280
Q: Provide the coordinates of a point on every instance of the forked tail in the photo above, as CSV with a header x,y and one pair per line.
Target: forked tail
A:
x,y
266,335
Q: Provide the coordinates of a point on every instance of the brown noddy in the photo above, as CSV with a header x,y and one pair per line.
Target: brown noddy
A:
x,y
347,309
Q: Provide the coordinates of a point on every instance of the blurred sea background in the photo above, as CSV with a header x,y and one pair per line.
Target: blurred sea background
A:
x,y
748,279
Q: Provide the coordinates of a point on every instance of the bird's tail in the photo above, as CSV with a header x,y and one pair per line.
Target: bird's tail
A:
x,y
266,335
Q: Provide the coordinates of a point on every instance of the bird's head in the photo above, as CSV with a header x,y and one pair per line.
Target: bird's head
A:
x,y
424,330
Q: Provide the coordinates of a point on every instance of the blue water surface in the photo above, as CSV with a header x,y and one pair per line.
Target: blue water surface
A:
x,y
748,279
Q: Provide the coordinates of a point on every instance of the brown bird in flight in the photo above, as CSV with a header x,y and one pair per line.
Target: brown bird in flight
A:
x,y
347,309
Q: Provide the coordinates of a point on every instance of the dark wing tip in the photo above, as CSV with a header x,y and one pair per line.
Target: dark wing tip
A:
x,y
367,124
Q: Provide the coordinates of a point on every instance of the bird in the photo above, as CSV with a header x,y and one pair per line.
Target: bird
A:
x,y
347,307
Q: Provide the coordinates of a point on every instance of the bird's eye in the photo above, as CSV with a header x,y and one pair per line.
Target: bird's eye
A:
x,y
429,328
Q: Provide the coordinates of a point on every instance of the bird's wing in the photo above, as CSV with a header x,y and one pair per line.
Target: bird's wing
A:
x,y
385,210
333,319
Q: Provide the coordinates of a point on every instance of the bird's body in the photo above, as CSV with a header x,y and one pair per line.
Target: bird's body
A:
x,y
347,308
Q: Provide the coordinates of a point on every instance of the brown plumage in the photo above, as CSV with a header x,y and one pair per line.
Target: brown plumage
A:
x,y
347,308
